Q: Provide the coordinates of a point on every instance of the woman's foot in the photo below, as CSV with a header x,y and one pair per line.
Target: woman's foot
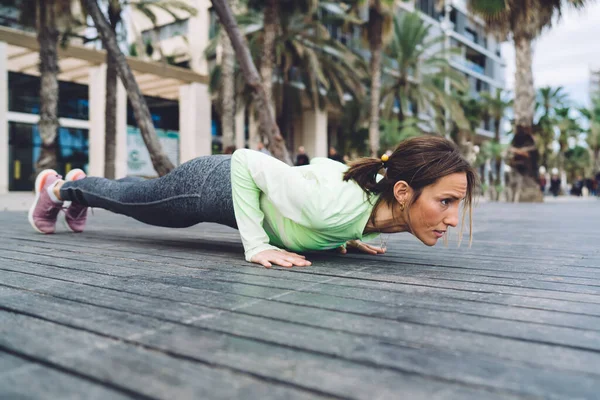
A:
x,y
76,214
45,208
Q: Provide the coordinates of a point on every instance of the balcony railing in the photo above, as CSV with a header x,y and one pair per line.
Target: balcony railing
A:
x,y
469,64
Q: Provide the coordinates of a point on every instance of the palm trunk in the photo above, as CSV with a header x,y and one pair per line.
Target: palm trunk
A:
x,y
266,117
227,92
110,118
524,103
524,89
110,108
47,34
498,159
270,27
160,161
401,116
375,98
375,35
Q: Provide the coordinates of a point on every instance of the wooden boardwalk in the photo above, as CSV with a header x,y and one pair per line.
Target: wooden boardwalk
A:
x,y
130,311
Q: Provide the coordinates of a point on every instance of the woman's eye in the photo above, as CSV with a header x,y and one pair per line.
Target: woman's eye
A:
x,y
446,202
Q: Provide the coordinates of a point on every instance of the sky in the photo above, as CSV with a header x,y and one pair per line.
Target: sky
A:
x,y
564,54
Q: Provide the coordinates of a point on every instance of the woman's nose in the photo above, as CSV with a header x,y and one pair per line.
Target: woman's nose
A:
x,y
452,218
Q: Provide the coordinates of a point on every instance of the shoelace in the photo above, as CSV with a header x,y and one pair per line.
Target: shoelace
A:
x,y
64,209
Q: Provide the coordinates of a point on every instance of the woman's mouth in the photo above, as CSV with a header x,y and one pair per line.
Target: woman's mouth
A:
x,y
439,234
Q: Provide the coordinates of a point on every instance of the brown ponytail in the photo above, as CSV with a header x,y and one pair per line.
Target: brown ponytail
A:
x,y
364,173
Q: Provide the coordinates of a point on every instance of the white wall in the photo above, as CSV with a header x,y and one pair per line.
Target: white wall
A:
x,y
3,120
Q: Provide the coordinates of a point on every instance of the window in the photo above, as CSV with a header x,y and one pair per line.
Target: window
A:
x,y
164,112
429,7
24,96
167,31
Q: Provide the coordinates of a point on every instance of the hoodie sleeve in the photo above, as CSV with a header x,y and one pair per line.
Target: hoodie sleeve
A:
x,y
253,173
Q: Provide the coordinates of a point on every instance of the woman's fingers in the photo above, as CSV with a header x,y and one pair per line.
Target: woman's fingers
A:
x,y
365,248
342,250
282,258
292,254
376,249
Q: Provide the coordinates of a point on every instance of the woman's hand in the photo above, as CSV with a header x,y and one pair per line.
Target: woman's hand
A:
x,y
360,246
282,258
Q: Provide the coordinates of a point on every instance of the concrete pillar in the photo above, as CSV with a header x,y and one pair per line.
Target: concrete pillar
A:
x,y
240,131
197,36
314,125
195,137
253,135
4,168
121,140
97,131
96,98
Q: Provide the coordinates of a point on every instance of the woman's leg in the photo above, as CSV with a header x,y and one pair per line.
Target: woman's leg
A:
x,y
196,191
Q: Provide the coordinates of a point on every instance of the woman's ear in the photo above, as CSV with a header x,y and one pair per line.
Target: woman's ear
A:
x,y
402,191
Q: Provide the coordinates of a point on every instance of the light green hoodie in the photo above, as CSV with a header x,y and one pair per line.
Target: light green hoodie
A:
x,y
297,208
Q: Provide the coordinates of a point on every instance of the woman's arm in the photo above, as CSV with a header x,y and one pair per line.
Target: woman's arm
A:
x,y
253,173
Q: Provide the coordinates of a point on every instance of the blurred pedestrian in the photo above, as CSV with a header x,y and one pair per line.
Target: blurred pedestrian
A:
x,y
334,155
261,147
577,186
229,150
302,157
543,183
555,183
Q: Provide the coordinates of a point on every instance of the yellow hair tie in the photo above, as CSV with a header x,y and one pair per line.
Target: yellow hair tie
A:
x,y
384,158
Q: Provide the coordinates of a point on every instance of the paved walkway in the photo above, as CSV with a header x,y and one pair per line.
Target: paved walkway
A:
x,y
130,311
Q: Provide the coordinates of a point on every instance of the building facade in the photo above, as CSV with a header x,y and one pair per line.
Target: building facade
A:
x,y
176,90
479,58
177,97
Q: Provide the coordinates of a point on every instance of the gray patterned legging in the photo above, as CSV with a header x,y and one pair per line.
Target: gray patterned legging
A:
x,y
196,191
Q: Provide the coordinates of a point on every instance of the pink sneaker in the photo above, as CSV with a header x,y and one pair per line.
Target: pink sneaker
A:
x,y
76,214
43,212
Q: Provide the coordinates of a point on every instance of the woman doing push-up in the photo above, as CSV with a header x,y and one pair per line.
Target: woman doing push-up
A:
x,y
280,210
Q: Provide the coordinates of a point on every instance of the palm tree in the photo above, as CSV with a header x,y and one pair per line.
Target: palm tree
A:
x,y
268,126
548,98
473,112
47,13
160,161
311,67
592,115
110,105
227,88
576,162
51,19
274,13
114,10
524,19
377,30
416,67
567,128
495,107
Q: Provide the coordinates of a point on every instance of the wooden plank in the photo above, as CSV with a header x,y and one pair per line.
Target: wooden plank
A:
x,y
140,371
24,379
479,371
358,306
330,339
575,275
177,375
559,290
517,314
370,291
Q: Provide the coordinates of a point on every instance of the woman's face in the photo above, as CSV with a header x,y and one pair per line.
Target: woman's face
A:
x,y
438,208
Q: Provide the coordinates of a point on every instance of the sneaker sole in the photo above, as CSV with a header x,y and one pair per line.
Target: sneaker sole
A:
x,y
72,175
39,185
